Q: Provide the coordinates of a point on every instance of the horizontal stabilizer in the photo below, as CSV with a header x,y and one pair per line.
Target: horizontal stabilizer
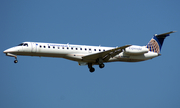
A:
x,y
164,34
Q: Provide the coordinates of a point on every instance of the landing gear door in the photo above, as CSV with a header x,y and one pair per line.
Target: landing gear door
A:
x,y
34,47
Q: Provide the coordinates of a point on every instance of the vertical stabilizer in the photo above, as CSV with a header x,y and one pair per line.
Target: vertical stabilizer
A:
x,y
155,44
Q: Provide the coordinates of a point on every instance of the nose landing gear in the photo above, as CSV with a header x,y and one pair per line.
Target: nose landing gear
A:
x,y
15,61
12,55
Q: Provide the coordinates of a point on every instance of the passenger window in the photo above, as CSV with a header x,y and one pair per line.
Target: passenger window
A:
x,y
99,49
76,48
53,46
85,49
44,46
80,48
62,47
67,47
89,49
94,49
104,50
72,48
48,46
40,46
58,47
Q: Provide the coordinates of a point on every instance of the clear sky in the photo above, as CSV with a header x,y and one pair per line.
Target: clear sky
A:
x,y
58,83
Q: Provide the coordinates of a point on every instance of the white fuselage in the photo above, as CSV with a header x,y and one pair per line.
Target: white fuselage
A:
x,y
76,52
91,55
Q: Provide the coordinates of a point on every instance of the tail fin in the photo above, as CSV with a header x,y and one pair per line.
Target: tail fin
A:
x,y
155,44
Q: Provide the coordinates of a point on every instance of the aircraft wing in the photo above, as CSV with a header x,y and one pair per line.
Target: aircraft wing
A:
x,y
106,55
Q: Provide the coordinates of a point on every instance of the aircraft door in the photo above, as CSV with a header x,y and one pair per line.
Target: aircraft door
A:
x,y
34,47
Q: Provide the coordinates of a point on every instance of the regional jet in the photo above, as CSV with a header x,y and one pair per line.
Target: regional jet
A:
x,y
91,55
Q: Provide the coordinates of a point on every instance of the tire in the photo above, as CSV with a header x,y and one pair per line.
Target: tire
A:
x,y
15,61
101,65
91,70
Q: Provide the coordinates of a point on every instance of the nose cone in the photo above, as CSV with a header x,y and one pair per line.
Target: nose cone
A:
x,y
10,50
5,51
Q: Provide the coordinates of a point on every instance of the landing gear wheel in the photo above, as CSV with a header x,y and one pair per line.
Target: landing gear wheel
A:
x,y
101,65
15,61
91,69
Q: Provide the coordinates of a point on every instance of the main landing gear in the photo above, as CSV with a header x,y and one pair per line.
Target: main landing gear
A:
x,y
91,69
99,61
101,65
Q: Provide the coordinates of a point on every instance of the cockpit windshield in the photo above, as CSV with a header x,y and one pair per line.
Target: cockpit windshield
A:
x,y
20,44
23,44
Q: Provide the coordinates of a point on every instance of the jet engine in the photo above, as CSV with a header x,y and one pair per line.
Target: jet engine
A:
x,y
136,50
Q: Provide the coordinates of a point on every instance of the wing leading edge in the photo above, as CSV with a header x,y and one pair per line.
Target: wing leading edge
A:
x,y
106,55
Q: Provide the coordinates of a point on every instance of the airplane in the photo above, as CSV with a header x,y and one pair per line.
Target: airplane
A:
x,y
91,55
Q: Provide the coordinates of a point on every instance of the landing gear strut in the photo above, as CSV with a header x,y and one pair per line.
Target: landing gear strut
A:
x,y
91,69
100,62
15,61
12,55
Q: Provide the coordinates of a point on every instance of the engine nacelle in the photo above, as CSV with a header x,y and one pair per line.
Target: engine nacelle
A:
x,y
136,50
